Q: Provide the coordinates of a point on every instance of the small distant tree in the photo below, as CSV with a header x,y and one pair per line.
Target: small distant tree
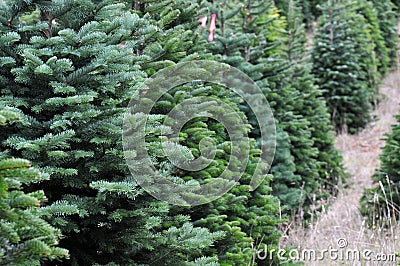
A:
x,y
310,9
344,63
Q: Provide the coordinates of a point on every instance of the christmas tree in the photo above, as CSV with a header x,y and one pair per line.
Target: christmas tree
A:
x,y
249,36
387,19
323,167
257,40
247,218
370,13
71,67
344,64
241,229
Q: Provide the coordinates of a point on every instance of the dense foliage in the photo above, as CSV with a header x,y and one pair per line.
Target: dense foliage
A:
x,y
72,82
382,203
72,71
71,67
25,238
381,51
387,18
312,106
344,64
271,50
354,47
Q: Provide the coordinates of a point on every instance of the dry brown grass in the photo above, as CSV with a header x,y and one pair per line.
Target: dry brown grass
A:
x,y
342,219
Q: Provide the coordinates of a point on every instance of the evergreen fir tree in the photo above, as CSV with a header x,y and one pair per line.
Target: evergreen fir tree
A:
x,y
72,68
327,168
249,37
382,203
25,238
253,37
370,13
344,65
387,18
245,217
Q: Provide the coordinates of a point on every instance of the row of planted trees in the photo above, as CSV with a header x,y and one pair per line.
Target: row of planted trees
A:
x,y
355,46
69,69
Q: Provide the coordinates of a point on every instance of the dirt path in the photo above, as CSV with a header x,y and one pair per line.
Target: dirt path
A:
x,y
342,220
